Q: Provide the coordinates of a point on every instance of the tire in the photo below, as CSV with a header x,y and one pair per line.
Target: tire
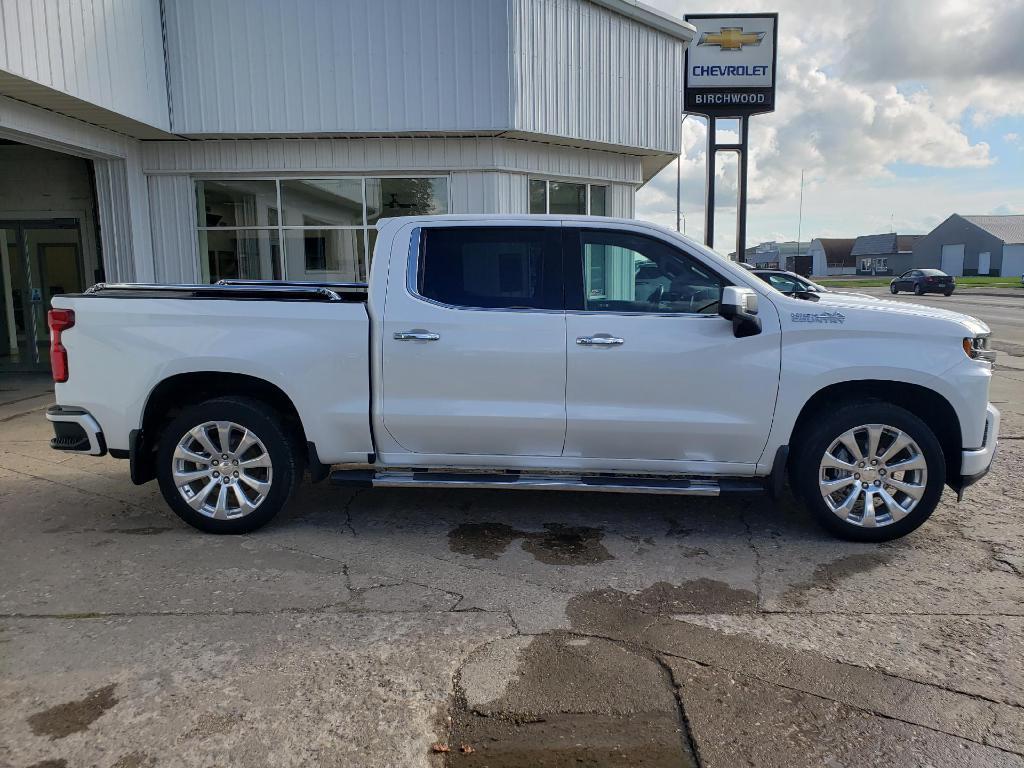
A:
x,y
918,290
219,506
948,292
893,289
818,444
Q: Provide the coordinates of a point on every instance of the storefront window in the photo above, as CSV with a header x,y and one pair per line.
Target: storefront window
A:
x,y
326,225
387,197
250,254
567,198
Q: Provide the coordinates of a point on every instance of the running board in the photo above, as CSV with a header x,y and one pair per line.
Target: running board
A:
x,y
538,482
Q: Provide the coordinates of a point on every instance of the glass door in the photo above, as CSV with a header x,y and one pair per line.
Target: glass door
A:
x,y
40,259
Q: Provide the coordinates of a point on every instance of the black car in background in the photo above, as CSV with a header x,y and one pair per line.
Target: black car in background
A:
x,y
922,281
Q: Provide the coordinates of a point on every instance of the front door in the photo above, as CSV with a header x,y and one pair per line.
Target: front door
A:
x,y
653,372
474,343
39,259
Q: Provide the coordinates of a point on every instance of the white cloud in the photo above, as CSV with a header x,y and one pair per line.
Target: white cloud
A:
x,y
864,89
1011,137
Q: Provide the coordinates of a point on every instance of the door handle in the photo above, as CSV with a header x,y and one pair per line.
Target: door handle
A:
x,y
416,335
601,340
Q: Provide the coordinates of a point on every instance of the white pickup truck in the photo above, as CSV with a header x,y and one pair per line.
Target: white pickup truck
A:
x,y
529,352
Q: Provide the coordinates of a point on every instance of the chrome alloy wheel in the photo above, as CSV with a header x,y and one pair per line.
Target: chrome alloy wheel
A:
x,y
873,475
222,470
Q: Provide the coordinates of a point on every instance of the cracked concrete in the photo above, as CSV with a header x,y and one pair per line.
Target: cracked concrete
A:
x,y
361,628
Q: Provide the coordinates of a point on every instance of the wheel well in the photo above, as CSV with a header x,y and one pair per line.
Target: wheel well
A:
x,y
173,394
928,405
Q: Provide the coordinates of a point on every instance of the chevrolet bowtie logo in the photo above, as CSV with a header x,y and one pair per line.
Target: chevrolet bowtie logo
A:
x,y
731,38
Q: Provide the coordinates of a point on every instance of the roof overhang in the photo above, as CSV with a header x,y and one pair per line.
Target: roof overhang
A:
x,y
652,17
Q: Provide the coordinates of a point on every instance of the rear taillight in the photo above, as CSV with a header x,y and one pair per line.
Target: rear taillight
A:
x,y
60,320
931,279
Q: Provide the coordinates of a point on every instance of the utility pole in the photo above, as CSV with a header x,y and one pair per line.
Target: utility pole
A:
x,y
679,178
800,218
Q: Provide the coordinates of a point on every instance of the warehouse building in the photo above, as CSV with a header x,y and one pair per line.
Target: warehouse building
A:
x,y
974,245
187,141
832,256
884,254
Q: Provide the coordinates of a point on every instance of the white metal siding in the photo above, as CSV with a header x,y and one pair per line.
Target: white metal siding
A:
x,y
105,52
1013,261
953,259
172,202
315,66
581,71
387,155
489,192
621,198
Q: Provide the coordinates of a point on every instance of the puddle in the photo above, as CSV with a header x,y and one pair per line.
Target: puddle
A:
x,y
829,576
557,545
149,530
568,701
566,740
664,599
135,760
74,716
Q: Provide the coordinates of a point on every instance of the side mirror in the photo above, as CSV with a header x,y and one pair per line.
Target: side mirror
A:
x,y
740,306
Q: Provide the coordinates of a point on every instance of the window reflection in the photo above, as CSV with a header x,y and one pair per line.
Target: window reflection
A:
x,y
324,254
387,197
235,203
252,254
322,202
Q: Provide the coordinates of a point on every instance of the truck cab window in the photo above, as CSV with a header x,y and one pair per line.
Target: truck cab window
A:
x,y
491,267
624,272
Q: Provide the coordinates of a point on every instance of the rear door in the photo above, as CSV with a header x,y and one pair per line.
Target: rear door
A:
x,y
473,343
654,372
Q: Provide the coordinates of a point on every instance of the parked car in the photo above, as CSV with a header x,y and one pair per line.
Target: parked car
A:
x,y
789,282
922,281
517,353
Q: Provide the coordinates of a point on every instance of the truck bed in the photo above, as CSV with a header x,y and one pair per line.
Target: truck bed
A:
x,y
309,341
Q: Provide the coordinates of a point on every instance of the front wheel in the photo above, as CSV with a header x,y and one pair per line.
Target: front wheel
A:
x,y
893,289
227,465
869,471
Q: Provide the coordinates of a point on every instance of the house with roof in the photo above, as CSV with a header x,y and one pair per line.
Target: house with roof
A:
x,y
885,254
974,245
832,256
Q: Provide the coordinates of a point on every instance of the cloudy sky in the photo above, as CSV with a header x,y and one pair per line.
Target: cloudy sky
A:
x,y
899,112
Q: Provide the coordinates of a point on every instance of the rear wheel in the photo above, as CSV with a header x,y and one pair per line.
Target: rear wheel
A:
x,y
870,471
918,290
227,465
948,292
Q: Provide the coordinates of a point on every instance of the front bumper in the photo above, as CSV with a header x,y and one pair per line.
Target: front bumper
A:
x,y
75,430
975,464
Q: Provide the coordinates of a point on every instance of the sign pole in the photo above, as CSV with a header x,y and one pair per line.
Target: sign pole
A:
x,y
709,187
741,203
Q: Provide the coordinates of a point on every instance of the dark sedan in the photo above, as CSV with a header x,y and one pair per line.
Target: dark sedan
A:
x,y
922,281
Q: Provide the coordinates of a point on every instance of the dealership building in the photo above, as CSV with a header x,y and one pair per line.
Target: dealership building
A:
x,y
188,141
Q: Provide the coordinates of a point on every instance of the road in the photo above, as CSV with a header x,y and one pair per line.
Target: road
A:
x,y
1004,313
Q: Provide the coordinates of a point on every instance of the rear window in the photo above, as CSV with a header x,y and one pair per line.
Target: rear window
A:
x,y
932,272
491,267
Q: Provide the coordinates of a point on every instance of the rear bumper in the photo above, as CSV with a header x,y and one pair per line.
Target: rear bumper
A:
x,y
75,430
975,464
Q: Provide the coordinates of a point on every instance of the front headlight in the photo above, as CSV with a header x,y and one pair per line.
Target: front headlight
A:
x,y
978,349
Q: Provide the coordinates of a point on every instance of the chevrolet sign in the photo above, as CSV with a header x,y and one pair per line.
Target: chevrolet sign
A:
x,y
730,68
